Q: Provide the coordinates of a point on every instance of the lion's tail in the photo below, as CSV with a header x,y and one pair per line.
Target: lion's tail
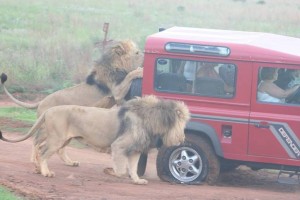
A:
x,y
33,129
20,103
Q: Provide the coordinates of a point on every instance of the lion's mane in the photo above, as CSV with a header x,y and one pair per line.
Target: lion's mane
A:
x,y
156,118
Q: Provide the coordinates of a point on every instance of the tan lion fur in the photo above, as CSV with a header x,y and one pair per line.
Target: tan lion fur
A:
x,y
129,130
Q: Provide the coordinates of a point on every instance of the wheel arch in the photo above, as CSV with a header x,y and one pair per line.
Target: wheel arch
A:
x,y
199,128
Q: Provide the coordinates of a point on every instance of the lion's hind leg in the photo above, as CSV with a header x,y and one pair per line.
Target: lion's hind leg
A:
x,y
35,159
43,163
46,150
62,154
38,141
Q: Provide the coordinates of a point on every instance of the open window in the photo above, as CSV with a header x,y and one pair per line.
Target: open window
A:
x,y
199,78
278,85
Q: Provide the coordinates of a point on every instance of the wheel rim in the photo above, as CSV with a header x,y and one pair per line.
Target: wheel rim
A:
x,y
185,164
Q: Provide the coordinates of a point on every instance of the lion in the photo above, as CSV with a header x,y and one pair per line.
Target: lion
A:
x,y
128,130
111,76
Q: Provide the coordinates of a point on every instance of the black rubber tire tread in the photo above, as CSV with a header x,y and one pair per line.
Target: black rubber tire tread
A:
x,y
212,159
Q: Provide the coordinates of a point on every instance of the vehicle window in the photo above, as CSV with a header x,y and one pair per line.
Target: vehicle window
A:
x,y
278,85
195,77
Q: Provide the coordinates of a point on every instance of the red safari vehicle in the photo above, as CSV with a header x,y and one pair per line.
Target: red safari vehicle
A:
x,y
228,80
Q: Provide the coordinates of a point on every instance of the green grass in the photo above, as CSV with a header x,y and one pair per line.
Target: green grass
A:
x,y
21,119
48,44
27,116
17,113
6,195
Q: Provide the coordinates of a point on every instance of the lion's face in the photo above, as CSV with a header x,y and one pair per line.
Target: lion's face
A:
x,y
117,61
123,55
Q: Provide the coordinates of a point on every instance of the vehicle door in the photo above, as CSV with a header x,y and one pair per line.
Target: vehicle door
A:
x,y
274,131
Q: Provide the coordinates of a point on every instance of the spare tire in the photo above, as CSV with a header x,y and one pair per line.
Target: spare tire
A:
x,y
135,89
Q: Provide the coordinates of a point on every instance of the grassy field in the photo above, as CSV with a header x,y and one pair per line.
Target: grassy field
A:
x,y
6,195
18,113
49,45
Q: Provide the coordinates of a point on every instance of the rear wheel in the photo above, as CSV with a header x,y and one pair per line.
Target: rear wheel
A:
x,y
192,163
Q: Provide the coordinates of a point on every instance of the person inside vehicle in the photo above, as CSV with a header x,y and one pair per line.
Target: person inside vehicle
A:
x,y
190,70
193,70
295,78
268,91
208,70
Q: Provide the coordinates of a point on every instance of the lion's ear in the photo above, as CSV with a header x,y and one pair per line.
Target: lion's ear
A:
x,y
119,49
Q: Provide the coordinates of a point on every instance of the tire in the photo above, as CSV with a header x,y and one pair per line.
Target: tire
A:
x,y
135,89
193,162
142,164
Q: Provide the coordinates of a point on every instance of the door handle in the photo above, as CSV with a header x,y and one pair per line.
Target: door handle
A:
x,y
262,124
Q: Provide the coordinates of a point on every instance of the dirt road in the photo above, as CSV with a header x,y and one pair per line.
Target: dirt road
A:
x,y
89,182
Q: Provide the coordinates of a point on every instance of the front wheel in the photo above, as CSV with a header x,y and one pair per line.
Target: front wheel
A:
x,y
193,162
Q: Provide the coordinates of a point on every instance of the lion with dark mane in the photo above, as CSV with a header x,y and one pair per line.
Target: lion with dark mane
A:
x,y
111,75
129,130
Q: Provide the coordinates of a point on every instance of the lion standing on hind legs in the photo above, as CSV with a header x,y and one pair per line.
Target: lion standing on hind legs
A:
x,y
111,75
129,130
